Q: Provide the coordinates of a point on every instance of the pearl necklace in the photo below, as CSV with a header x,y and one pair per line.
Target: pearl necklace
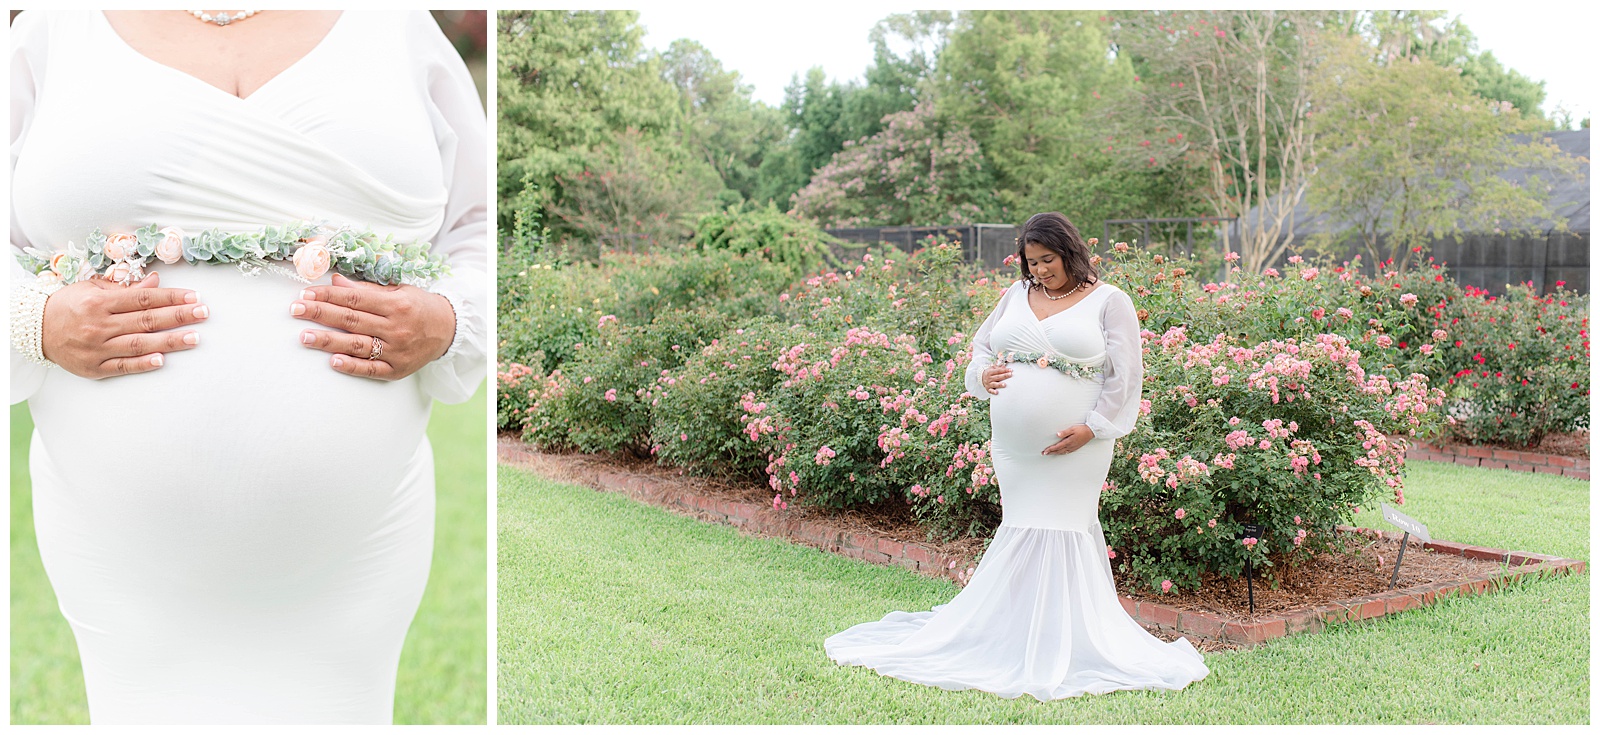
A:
x,y
1046,290
221,18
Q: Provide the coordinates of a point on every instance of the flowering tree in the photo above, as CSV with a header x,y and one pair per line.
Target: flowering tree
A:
x,y
1230,92
919,169
1412,155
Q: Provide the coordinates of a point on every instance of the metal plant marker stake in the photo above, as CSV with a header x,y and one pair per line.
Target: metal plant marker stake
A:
x,y
1410,526
1253,531
1394,578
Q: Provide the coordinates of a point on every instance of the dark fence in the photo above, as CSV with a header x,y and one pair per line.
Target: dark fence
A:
x,y
1491,262
986,244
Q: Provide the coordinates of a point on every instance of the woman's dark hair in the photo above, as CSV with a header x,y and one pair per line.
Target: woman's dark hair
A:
x,y
1052,231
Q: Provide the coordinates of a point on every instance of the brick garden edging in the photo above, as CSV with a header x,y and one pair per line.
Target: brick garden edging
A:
x,y
761,518
1497,458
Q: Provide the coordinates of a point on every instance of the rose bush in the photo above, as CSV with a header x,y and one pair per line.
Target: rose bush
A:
x,y
597,402
1518,366
1279,399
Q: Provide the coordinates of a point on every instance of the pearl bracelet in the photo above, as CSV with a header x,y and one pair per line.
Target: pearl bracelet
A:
x,y
27,318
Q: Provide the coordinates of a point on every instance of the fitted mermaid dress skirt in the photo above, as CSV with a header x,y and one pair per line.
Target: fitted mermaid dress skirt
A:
x,y
242,536
1040,615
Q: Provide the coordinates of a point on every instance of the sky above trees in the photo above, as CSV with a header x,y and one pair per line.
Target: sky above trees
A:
x,y
769,47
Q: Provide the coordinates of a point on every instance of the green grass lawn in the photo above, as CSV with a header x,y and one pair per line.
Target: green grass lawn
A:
x,y
611,611
443,669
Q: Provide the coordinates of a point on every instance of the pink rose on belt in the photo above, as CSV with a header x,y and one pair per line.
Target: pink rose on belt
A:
x,y
170,249
312,259
57,261
1043,362
118,245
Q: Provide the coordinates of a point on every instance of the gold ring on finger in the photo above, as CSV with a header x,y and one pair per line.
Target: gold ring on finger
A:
x,y
377,349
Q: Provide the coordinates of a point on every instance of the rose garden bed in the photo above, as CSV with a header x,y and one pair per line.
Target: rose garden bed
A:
x,y
1331,588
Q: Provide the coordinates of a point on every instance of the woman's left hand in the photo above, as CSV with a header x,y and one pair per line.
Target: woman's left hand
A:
x,y
1072,439
413,327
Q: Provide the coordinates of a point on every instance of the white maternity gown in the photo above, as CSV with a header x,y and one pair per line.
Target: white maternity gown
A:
x,y
243,535
1040,615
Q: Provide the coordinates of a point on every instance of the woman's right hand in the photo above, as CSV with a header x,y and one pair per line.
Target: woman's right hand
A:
x,y
994,378
97,328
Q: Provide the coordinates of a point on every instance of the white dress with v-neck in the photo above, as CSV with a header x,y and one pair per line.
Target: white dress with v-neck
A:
x,y
244,535
1040,615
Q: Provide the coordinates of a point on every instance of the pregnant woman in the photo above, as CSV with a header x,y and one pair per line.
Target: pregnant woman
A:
x,y
1060,361
252,252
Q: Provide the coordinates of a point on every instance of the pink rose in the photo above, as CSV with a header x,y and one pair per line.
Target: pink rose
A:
x,y
118,245
1211,523
1043,362
1180,514
170,249
1110,554
1166,585
119,273
611,395
312,260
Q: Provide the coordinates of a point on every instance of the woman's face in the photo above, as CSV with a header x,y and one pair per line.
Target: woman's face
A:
x,y
1046,266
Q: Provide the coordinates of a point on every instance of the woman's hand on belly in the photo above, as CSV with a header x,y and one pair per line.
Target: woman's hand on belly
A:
x,y
97,328
411,327
1072,439
994,378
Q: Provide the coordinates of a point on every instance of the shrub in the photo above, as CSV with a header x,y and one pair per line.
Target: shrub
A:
x,y
545,310
597,402
1519,365
645,286
820,424
765,233
512,395
698,411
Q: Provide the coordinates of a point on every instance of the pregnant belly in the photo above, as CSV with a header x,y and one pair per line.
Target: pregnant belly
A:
x,y
1036,403
246,440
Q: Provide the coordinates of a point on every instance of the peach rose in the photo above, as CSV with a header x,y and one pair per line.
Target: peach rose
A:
x,y
312,259
119,273
119,245
170,249
57,262
1043,362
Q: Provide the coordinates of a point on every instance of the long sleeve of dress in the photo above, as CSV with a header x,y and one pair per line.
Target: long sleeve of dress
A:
x,y
1117,409
27,69
462,132
982,349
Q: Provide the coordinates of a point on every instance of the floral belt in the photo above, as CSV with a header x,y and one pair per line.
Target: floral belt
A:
x,y
313,250
1045,360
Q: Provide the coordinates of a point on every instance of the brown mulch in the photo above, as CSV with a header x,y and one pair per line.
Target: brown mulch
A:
x,y
1325,578
1575,444
1363,569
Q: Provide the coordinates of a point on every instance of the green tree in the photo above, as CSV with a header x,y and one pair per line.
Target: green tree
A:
x,y
569,82
1412,154
920,169
721,124
1024,82
1431,34
1227,92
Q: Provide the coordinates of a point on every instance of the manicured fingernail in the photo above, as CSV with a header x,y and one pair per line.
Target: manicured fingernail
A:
x,y
202,311
307,338
157,360
192,338
191,297
308,295
297,309
338,361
